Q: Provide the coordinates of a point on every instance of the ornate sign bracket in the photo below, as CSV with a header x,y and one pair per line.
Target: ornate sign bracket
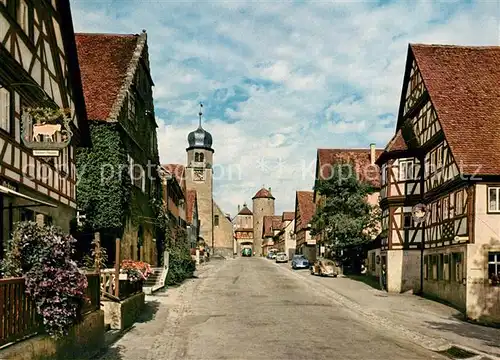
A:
x,y
46,131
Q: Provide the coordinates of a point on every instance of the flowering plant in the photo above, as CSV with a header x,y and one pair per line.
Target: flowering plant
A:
x,y
42,255
136,270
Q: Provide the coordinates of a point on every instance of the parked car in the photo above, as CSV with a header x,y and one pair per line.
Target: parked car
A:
x,y
323,267
271,255
281,257
300,262
246,252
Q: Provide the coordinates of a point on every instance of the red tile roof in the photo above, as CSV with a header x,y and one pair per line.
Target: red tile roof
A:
x,y
463,84
263,193
397,143
360,158
245,211
104,60
179,172
288,216
190,203
306,208
277,222
267,226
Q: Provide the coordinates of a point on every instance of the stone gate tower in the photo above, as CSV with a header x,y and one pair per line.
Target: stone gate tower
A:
x,y
263,205
199,176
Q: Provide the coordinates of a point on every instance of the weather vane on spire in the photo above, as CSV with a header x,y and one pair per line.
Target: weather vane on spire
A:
x,y
200,113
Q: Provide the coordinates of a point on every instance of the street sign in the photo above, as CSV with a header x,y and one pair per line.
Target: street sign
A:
x,y
419,213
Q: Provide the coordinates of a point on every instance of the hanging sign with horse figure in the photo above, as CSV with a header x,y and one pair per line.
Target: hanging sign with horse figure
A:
x,y
46,131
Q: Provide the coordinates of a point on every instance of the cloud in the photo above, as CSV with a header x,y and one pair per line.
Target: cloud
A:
x,y
280,79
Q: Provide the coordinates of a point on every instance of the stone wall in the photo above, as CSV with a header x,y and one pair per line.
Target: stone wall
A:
x,y
261,207
205,202
84,341
223,233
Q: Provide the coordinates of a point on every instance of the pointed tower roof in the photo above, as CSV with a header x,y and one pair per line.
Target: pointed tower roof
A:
x,y
245,210
263,193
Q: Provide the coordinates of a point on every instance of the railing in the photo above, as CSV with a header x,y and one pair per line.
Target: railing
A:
x,y
18,311
125,288
18,315
92,293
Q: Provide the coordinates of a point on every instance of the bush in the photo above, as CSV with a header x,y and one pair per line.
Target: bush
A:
x,y
43,256
181,265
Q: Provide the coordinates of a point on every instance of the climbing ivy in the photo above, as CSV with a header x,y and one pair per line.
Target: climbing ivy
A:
x,y
103,188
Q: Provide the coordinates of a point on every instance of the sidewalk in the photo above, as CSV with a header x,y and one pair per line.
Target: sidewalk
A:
x,y
420,315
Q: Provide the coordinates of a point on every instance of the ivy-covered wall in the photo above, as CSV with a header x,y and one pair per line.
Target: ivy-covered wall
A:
x,y
103,189
113,206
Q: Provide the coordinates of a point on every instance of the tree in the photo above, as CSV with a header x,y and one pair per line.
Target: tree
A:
x,y
345,220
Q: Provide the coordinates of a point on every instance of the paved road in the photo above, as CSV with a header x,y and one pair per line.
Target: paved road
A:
x,y
249,308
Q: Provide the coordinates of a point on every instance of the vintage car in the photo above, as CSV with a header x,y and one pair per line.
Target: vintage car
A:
x,y
281,257
323,267
299,261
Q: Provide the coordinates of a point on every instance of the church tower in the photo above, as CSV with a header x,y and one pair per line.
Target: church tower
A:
x,y
263,205
199,177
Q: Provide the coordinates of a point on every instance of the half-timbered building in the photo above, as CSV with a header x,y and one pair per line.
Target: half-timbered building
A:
x,y
443,155
286,241
304,210
117,86
38,69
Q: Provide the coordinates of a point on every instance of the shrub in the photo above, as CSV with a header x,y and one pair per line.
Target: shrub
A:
x,y
43,256
181,265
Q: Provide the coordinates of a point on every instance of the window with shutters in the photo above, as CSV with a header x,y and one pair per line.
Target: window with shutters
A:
x,y
5,109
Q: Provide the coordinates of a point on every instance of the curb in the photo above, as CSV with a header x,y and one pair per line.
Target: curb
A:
x,y
429,343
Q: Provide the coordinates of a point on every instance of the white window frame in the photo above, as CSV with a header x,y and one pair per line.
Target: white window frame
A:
x,y
445,204
23,16
143,180
406,169
459,202
5,111
496,208
439,157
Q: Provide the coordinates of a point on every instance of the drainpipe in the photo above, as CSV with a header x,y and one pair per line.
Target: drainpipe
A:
x,y
422,244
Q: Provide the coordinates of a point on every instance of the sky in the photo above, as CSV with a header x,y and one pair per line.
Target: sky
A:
x,y
280,79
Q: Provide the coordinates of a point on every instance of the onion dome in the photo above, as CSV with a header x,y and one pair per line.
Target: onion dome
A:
x,y
200,138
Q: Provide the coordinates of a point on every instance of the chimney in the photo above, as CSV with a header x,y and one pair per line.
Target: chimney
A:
x,y
372,153
269,190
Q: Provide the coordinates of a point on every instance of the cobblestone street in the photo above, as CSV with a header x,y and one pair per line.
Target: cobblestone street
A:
x,y
249,308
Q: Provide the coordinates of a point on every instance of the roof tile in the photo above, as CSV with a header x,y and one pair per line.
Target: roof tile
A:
x,y
463,84
104,60
306,208
365,170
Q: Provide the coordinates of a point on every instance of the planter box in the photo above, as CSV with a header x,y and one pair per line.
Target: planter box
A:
x,y
123,314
